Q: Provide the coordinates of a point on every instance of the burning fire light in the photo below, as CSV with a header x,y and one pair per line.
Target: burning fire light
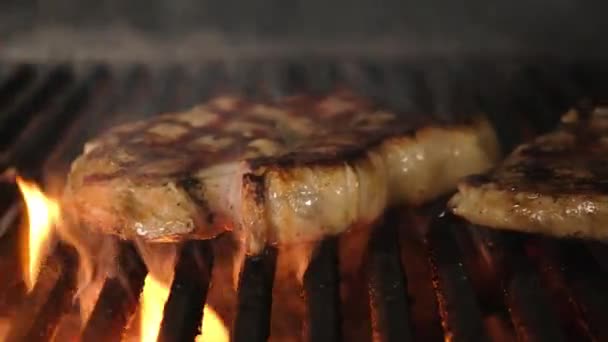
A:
x,y
153,299
213,328
42,214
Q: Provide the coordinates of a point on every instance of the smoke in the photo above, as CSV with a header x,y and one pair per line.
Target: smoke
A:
x,y
195,30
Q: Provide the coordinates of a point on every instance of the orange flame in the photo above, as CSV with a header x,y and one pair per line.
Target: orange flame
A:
x,y
153,299
42,214
213,328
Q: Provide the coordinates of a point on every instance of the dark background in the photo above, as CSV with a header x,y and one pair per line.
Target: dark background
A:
x,y
199,29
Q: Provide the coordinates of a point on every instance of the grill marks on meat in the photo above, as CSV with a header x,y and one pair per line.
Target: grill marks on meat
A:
x,y
557,184
281,172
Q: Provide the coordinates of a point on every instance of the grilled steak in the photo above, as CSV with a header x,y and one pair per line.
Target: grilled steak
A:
x,y
294,170
557,184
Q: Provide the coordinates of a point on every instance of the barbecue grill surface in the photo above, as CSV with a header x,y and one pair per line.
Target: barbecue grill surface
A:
x,y
452,280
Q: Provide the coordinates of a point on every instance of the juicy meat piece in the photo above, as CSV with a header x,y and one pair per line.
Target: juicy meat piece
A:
x,y
556,185
289,171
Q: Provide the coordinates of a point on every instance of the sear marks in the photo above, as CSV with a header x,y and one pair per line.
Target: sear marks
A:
x,y
292,170
556,184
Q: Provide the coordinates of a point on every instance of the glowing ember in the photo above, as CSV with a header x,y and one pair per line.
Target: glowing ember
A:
x,y
153,299
42,214
213,328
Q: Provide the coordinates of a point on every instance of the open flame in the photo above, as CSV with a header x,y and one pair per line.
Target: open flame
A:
x,y
43,213
213,328
153,299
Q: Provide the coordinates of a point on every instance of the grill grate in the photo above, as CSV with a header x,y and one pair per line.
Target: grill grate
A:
x,y
535,288
117,300
184,308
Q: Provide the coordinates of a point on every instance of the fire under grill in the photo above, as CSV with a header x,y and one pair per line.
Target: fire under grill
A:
x,y
448,281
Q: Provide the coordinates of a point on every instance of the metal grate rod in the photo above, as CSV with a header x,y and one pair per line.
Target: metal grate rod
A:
x,y
15,82
458,307
252,322
116,304
321,285
183,311
387,290
585,283
49,300
532,316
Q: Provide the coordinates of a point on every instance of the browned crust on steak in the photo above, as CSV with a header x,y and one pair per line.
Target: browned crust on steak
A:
x,y
213,168
571,160
556,184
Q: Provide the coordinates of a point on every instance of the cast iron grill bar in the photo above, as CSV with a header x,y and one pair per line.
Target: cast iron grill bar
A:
x,y
591,78
563,85
465,89
183,311
563,300
321,285
15,82
185,88
258,79
528,304
378,76
401,89
531,314
32,101
206,81
43,132
319,76
12,287
490,93
363,78
50,298
458,307
413,254
121,89
534,78
202,86
161,89
531,97
600,253
274,81
214,80
437,81
585,282
252,322
117,303
388,295
297,77
246,78
133,103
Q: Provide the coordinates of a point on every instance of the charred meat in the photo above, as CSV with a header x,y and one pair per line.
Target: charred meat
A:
x,y
556,185
282,172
